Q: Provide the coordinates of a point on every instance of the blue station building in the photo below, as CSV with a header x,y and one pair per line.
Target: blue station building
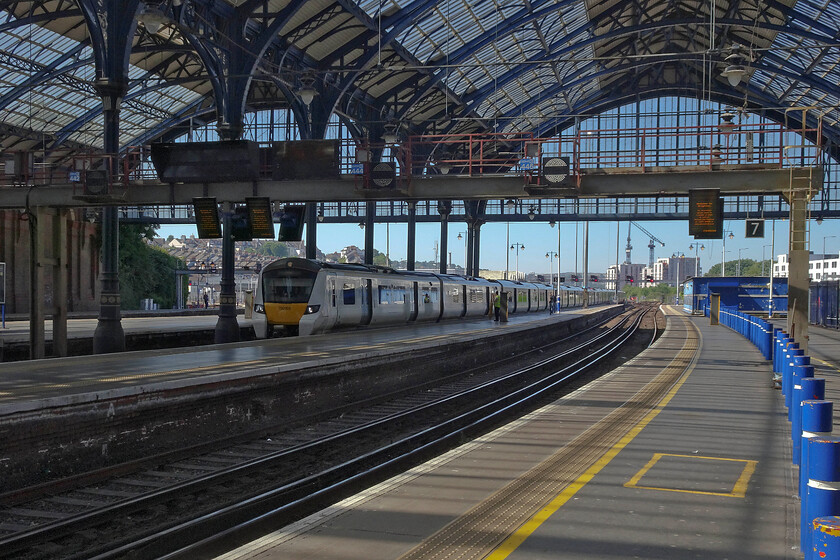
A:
x,y
747,294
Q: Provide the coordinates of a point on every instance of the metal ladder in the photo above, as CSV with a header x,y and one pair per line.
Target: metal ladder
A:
x,y
801,177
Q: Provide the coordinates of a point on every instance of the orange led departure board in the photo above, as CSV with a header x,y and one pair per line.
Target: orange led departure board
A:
x,y
705,214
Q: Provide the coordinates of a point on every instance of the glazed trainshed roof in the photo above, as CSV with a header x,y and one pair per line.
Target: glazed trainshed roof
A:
x,y
442,66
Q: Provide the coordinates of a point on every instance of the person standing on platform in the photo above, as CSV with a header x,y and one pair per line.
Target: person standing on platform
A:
x,y
497,306
206,300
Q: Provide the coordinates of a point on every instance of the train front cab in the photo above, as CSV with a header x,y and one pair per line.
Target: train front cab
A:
x,y
283,296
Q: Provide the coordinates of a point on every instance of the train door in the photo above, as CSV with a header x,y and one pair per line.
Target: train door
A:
x,y
335,310
464,290
415,290
367,301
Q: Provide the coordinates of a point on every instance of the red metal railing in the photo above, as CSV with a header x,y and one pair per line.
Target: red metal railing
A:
x,y
766,145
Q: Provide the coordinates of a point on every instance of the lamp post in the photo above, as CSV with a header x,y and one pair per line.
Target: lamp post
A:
x,y
679,256
723,252
551,255
763,258
738,268
517,246
697,247
463,235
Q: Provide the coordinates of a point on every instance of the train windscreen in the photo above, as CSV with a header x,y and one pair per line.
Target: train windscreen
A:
x,y
288,285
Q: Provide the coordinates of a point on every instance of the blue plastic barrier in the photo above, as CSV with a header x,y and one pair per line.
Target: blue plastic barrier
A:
x,y
823,495
826,531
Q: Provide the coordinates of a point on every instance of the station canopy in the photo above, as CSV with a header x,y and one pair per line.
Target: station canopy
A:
x,y
427,67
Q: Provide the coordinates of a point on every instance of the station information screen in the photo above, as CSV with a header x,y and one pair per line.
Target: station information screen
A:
x,y
705,214
207,218
262,221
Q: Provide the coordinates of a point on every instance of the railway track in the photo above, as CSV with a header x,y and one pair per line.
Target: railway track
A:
x,y
153,512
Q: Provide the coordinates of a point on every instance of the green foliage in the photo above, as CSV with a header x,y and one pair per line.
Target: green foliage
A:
x,y
146,271
749,267
274,249
659,292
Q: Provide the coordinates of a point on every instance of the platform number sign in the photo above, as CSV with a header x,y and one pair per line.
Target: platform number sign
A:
x,y
755,228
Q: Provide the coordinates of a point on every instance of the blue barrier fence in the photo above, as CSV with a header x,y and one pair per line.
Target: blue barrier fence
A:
x,y
814,450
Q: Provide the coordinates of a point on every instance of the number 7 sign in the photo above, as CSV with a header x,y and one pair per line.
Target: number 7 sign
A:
x,y
755,228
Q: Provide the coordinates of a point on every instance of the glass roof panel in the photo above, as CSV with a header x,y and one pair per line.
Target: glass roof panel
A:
x,y
67,95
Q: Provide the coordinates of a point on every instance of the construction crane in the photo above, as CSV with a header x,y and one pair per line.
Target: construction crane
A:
x,y
651,245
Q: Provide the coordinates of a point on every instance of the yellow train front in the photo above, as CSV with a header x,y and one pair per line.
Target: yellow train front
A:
x,y
282,296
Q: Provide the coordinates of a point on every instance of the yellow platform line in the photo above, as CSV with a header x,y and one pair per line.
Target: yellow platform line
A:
x,y
827,364
527,529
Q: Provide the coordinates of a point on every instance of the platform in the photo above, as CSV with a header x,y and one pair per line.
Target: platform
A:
x,y
57,381
702,474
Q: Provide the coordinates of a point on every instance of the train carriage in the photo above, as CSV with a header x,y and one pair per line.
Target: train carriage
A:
x,y
301,296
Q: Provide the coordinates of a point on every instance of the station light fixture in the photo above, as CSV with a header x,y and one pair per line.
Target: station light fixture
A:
x,y
443,164
307,91
391,135
532,213
735,69
152,18
320,215
726,121
510,204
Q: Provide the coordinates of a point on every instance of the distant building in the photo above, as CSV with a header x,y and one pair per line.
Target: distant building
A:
x,y
672,271
820,267
627,274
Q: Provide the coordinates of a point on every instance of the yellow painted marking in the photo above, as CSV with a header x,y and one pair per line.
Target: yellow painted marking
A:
x,y
515,540
739,490
827,364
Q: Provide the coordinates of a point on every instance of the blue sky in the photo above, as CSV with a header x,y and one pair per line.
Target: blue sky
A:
x,y
539,238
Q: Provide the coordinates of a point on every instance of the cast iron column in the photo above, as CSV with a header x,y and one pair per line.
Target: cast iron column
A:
x,y
227,328
109,335
311,231
412,236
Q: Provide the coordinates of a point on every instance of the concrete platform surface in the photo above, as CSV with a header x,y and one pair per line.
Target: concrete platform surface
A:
x,y
703,474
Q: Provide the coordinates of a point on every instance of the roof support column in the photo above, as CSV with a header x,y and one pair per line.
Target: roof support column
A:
x,y
798,258
109,335
370,214
111,26
412,236
311,230
444,208
473,209
227,327
586,264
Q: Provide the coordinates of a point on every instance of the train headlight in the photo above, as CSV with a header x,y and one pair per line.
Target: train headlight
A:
x,y
258,308
310,309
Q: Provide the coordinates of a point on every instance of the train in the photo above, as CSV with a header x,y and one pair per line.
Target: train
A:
x,y
304,297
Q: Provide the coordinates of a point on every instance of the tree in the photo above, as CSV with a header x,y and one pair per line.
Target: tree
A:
x,y
146,271
659,292
749,267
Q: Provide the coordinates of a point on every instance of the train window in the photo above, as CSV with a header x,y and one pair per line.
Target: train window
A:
x,y
453,294
392,294
349,292
288,285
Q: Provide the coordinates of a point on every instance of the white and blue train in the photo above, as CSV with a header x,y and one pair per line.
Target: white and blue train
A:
x,y
301,296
